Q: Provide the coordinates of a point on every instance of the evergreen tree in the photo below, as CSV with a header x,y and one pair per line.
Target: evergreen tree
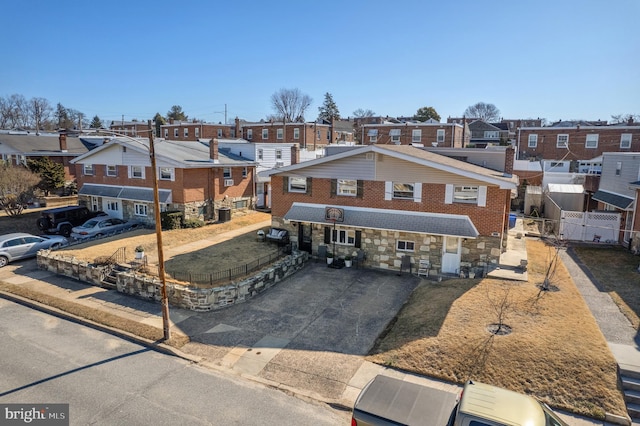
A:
x,y
426,113
51,174
177,114
159,120
96,123
329,109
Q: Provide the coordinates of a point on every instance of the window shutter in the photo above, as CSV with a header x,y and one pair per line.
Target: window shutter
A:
x,y
482,196
358,241
327,235
360,190
285,184
448,194
334,187
417,192
388,190
309,185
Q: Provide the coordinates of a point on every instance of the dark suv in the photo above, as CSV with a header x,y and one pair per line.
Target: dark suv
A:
x,y
62,219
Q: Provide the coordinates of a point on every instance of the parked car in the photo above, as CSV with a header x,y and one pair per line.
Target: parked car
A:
x,y
61,220
102,226
20,245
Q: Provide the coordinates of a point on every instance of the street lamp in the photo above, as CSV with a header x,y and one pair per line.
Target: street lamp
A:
x,y
156,207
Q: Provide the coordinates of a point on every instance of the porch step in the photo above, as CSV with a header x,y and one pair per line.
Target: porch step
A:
x,y
630,383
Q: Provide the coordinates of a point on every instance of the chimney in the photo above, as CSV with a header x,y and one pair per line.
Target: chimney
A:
x,y
238,132
63,141
630,121
295,154
213,150
509,157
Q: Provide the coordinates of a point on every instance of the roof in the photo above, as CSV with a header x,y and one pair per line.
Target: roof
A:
x,y
566,188
619,201
48,144
385,219
125,192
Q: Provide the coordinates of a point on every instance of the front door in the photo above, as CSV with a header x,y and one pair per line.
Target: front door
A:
x,y
113,207
304,237
451,255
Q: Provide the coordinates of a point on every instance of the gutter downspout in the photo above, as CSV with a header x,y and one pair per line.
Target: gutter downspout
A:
x,y
518,153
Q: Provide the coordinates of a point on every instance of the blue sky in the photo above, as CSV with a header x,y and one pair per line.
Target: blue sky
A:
x,y
562,59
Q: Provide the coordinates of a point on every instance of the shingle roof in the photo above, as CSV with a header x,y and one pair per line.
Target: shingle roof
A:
x,y
125,192
32,144
616,200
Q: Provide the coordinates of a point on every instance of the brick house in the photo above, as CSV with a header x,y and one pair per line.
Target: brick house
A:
x,y
193,131
194,178
485,134
308,135
429,133
396,201
130,128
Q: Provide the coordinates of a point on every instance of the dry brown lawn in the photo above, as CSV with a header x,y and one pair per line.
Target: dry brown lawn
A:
x,y
555,351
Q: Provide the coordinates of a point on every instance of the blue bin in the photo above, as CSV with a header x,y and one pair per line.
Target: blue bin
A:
x,y
512,220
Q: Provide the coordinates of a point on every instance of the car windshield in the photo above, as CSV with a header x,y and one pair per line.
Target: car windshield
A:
x,y
89,224
551,418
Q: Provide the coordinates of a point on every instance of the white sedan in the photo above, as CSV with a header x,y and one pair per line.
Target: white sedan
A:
x,y
102,226
20,245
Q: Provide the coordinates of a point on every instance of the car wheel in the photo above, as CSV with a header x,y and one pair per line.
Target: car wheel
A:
x,y
3,261
55,246
43,224
65,231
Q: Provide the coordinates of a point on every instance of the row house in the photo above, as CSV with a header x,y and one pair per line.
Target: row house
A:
x,y
512,124
130,128
576,143
396,201
308,135
192,131
430,133
194,178
485,134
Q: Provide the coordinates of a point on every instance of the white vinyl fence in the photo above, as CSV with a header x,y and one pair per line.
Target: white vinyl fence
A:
x,y
590,226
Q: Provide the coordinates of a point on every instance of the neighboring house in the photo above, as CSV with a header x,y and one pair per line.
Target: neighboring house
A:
x,y
395,201
485,134
193,131
194,178
58,147
510,124
308,135
131,128
430,133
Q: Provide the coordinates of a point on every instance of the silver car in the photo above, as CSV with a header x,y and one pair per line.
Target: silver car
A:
x,y
20,245
102,226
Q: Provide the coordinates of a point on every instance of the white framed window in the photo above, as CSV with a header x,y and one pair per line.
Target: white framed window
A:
x,y
562,141
533,141
197,132
278,154
345,237
22,159
279,134
166,133
347,187
625,140
226,172
112,170
260,154
328,135
166,173
219,133
592,141
244,172
491,134
618,168
416,135
186,132
140,209
87,169
296,133
249,134
465,194
297,184
136,172
440,135
402,245
403,190
395,135
175,132
318,135
265,133
373,135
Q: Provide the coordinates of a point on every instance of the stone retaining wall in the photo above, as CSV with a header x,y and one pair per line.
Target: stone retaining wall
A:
x,y
181,296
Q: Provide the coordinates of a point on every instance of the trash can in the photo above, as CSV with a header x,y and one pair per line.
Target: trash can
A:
x,y
224,214
512,220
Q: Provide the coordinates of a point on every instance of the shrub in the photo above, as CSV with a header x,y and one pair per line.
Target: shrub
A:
x,y
171,220
192,223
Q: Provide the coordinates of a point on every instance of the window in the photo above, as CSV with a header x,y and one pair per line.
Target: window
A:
x,y
140,209
416,135
88,169
488,134
166,133
347,187
175,132
260,154
112,170
328,135
197,132
219,133
297,184
343,236
226,172
240,204
186,132
249,134
244,172
403,190
373,135
318,135
265,133
625,140
278,154
440,135
465,194
136,172
279,134
166,173
296,133
395,135
592,141
533,141
562,141
405,245
618,168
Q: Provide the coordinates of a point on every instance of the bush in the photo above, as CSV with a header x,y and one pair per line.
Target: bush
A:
x,y
192,223
171,220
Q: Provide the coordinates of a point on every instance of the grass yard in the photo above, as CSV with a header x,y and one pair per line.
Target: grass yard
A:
x,y
555,350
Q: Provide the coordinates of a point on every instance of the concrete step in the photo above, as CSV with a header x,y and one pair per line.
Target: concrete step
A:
x,y
632,396
634,411
629,371
630,383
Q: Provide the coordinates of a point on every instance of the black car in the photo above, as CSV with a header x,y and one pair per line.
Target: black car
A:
x,y
62,219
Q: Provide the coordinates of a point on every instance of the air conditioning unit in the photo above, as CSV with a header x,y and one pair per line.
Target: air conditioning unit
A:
x,y
228,182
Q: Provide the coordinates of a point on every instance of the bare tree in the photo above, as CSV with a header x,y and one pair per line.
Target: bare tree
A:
x,y
21,111
17,185
363,113
40,111
482,111
5,113
290,104
624,118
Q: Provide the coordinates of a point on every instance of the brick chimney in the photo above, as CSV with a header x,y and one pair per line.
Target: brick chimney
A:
x,y
213,150
238,131
509,158
62,138
295,154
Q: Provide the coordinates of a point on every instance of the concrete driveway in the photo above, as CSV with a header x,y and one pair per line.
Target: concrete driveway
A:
x,y
309,332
